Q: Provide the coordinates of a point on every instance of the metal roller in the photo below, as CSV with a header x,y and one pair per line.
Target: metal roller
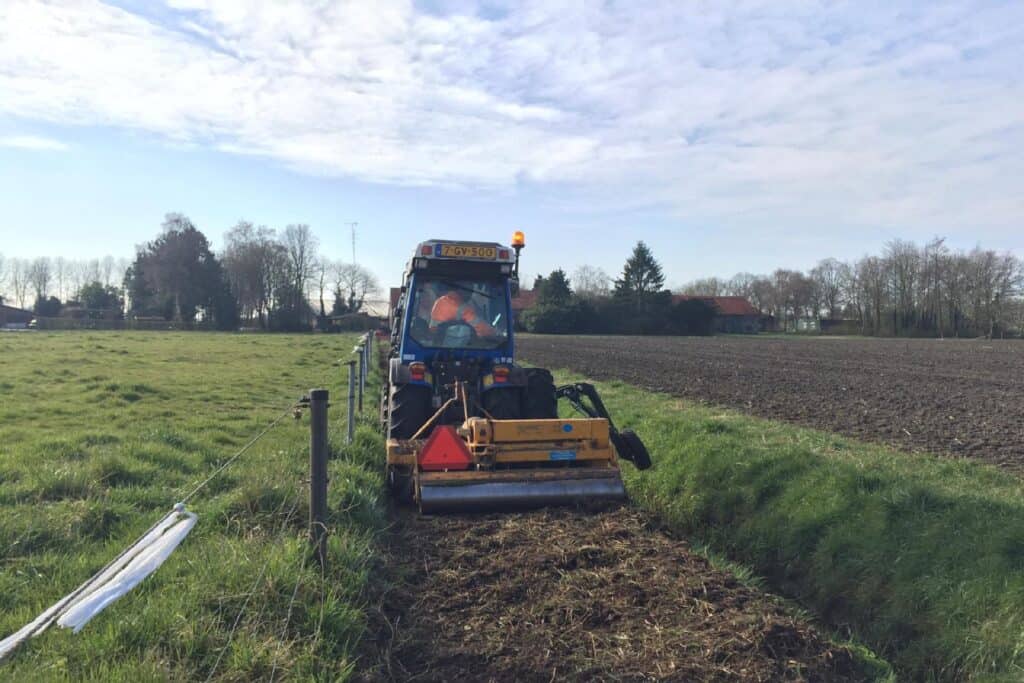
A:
x,y
518,494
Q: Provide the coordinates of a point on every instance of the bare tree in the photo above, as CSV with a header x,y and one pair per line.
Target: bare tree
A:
x,y
93,269
19,280
255,265
321,274
107,269
871,276
591,282
301,246
826,277
78,273
904,260
60,267
709,286
39,276
741,284
354,284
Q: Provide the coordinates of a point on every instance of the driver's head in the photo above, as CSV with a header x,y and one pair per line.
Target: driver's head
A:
x,y
446,308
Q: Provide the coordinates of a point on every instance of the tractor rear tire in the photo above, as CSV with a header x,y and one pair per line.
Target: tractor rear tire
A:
x,y
503,404
540,402
409,410
400,484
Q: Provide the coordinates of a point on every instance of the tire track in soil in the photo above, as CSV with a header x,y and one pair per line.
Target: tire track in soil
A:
x,y
572,594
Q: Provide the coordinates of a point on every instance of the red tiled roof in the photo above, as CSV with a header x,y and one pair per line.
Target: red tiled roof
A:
x,y
527,298
726,305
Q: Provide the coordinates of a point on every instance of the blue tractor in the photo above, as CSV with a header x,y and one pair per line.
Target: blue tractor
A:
x,y
466,426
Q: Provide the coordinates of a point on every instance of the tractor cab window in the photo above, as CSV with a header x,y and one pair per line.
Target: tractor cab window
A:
x,y
459,314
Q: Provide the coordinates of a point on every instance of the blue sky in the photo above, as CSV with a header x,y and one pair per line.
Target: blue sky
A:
x,y
731,136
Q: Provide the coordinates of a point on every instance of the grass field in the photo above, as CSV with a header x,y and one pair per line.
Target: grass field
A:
x,y
101,433
919,557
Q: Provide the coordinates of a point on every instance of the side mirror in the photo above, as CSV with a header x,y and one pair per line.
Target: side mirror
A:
x,y
513,285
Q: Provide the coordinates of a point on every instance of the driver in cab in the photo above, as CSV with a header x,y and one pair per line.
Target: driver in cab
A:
x,y
453,307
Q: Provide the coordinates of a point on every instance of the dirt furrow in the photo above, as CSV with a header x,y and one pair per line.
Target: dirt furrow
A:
x,y
570,594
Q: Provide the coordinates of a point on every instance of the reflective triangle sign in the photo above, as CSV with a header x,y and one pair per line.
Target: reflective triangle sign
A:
x,y
444,450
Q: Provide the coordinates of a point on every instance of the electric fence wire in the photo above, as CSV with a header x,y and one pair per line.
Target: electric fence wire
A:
x,y
237,455
50,615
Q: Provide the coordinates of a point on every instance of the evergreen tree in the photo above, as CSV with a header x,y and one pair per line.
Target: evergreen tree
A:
x,y
641,277
177,275
555,290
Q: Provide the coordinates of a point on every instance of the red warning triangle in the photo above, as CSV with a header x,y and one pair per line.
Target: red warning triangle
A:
x,y
444,450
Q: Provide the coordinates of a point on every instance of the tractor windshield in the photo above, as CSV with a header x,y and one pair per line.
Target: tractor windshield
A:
x,y
459,314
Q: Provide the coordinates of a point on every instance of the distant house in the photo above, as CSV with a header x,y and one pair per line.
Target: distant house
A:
x,y
522,302
735,315
14,317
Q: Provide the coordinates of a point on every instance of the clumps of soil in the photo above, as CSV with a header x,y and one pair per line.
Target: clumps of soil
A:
x,y
950,396
570,594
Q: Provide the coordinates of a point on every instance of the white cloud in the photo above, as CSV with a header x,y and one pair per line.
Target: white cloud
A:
x,y
904,114
33,142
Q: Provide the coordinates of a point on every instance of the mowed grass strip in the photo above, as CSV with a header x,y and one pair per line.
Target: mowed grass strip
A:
x,y
100,433
920,557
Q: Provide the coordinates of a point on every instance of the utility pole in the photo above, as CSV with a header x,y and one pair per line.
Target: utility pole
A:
x,y
352,226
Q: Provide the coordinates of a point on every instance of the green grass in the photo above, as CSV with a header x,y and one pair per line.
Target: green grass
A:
x,y
920,557
101,433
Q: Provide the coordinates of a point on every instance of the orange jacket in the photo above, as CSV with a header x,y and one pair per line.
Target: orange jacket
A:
x,y
451,308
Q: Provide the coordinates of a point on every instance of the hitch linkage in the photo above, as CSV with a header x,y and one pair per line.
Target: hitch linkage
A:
x,y
627,444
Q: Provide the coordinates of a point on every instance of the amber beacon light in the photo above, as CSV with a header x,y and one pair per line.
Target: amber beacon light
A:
x,y
518,239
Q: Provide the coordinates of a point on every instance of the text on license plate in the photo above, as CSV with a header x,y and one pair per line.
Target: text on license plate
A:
x,y
466,251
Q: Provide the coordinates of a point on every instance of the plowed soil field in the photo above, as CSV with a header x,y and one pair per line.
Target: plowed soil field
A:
x,y
957,397
569,594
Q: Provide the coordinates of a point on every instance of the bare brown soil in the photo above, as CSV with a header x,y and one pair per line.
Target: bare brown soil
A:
x,y
958,397
569,594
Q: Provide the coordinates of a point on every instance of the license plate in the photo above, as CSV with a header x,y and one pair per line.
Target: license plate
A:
x,y
563,455
466,251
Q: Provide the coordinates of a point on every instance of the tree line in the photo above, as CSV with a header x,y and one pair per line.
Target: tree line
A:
x,y
636,302
262,277
44,280
907,290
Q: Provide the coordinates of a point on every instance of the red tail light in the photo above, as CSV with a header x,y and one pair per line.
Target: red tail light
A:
x,y
503,254
417,371
500,374
426,250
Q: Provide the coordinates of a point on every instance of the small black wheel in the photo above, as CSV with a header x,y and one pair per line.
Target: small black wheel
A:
x,y
540,402
635,448
504,403
409,410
